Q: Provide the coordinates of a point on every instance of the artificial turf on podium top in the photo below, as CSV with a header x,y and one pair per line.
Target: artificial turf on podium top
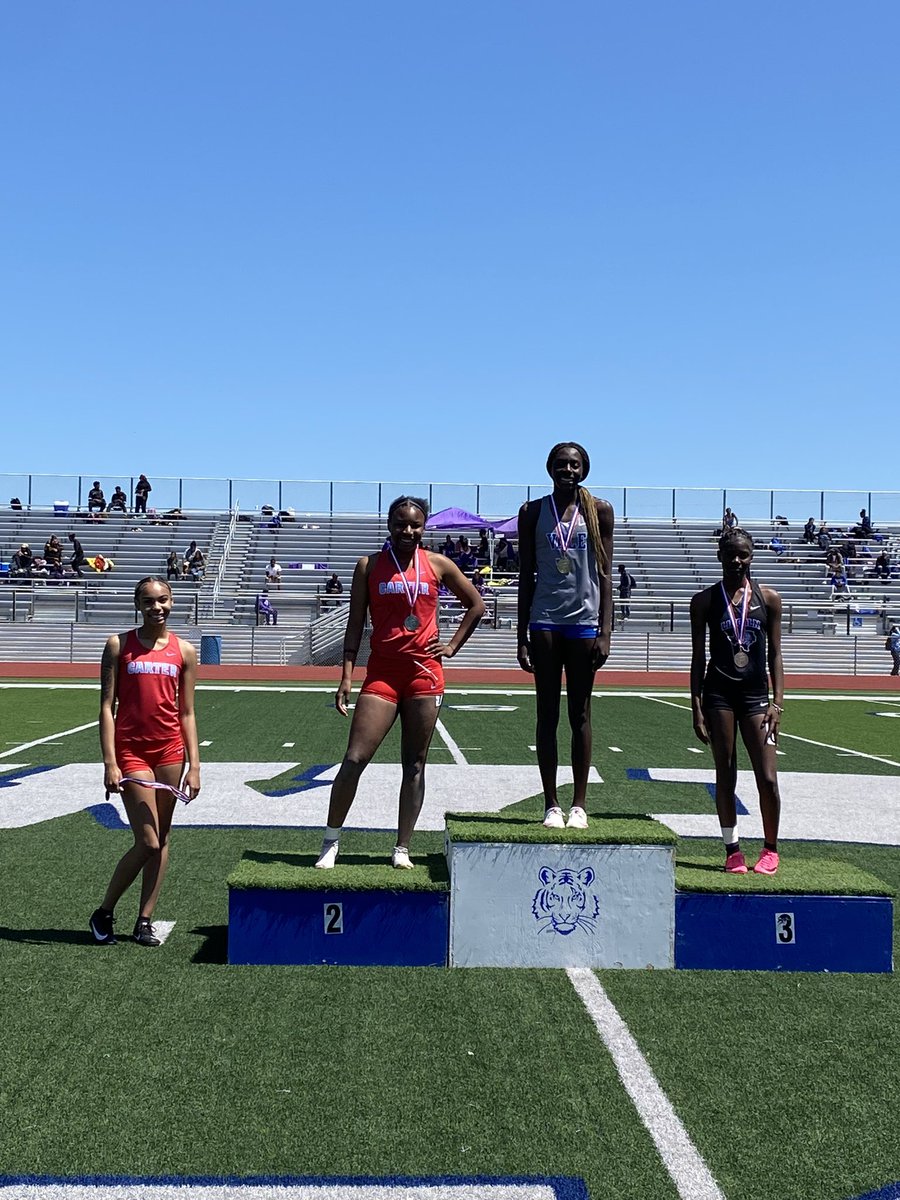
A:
x,y
610,830
796,877
289,871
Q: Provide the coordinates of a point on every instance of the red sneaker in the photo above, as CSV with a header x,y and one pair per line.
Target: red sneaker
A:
x,y
768,863
735,864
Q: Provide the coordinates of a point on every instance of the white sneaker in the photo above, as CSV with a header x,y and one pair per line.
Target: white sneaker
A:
x,y
577,818
553,818
401,860
325,861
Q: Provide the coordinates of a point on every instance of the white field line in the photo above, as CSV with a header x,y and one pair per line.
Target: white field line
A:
x,y
681,1158
455,753
50,738
795,737
840,749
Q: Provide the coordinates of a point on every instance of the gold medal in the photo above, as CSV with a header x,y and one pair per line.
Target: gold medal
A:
x,y
564,564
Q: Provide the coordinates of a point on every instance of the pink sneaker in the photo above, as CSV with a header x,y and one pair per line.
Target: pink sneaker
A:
x,y
735,865
768,863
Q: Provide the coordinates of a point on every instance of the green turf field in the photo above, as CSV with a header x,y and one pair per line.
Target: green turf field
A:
x,y
122,1061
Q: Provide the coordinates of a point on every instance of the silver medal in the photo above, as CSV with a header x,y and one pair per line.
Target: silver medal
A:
x,y
741,659
412,622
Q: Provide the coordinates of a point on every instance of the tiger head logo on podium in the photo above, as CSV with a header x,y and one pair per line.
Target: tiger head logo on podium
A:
x,y
564,903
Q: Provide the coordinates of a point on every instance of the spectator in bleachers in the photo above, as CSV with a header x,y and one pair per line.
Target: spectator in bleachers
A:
x,y
333,586
21,564
823,537
626,584
53,556
840,585
118,501
96,499
809,531
882,568
863,529
892,643
729,520
142,490
265,609
273,573
187,557
173,569
447,547
78,559
483,549
197,566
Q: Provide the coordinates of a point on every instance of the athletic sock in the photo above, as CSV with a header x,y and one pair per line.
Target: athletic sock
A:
x,y
333,833
773,846
732,847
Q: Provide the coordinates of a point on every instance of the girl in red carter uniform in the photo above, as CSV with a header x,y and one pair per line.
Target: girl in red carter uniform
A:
x,y
399,588
147,725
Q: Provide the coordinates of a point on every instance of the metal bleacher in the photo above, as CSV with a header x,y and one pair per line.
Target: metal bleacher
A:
x,y
44,620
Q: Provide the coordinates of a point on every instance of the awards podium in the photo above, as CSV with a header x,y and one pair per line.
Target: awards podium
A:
x,y
624,893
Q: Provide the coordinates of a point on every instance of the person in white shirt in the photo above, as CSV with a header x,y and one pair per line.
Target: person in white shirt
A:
x,y
273,573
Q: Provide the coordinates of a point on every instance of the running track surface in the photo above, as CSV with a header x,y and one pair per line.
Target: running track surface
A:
x,y
455,676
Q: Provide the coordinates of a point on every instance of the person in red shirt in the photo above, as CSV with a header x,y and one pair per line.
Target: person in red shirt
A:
x,y
147,728
398,587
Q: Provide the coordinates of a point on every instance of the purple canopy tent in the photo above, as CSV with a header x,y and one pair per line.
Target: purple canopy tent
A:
x,y
459,518
456,518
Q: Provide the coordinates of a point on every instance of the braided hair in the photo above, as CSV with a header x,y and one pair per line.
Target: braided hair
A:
x,y
735,535
585,503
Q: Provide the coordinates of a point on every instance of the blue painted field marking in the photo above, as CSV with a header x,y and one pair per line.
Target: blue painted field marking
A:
x,y
304,781
642,775
890,1191
11,778
308,1187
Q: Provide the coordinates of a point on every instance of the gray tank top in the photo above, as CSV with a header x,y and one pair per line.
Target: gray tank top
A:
x,y
572,599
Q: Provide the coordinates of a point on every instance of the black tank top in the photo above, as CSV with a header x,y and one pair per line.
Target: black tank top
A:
x,y
723,644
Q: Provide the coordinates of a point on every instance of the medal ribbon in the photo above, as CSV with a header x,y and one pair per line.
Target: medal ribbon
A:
x,y
729,608
412,596
159,787
564,541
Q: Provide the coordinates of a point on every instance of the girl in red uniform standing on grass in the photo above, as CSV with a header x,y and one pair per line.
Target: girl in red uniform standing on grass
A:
x,y
398,587
147,729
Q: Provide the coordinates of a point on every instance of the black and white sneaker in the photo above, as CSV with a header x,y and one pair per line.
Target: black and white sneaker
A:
x,y
101,925
144,933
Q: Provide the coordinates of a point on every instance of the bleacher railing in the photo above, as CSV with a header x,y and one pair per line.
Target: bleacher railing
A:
x,y
494,501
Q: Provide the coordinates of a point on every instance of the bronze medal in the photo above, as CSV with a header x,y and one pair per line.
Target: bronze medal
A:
x,y
564,564
741,659
412,622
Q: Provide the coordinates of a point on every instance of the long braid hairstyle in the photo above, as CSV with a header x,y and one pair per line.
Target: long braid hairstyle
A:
x,y
586,504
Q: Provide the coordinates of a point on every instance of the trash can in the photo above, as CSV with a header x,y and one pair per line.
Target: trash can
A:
x,y
210,649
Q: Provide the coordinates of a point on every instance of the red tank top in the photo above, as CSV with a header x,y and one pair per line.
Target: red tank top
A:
x,y
147,691
389,605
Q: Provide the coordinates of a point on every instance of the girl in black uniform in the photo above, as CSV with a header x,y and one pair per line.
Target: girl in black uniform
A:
x,y
744,622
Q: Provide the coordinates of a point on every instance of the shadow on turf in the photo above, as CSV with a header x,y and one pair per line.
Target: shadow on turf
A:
x,y
215,949
72,937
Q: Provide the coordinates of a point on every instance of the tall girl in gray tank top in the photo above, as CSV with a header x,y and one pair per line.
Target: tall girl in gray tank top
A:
x,y
565,616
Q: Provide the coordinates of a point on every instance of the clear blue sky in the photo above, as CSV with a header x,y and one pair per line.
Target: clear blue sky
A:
x,y
407,239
